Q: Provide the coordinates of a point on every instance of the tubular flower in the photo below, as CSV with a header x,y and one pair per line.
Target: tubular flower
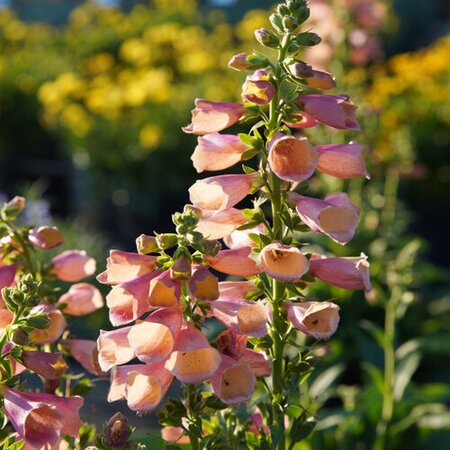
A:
x,y
143,386
125,266
336,111
164,291
349,272
233,382
49,365
342,161
335,216
292,159
203,285
235,261
258,89
217,152
114,348
40,419
211,117
240,238
218,224
85,353
73,265
283,262
193,359
222,192
45,237
55,329
316,319
81,299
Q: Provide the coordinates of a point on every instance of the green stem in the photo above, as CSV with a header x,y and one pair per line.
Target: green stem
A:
x,y
191,393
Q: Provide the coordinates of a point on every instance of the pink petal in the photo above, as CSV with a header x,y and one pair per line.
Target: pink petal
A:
x,y
211,117
73,265
342,161
292,159
218,224
81,299
217,152
114,348
85,353
56,328
236,262
239,238
45,237
125,266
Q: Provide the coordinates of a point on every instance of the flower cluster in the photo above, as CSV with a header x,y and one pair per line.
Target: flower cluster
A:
x,y
168,289
33,320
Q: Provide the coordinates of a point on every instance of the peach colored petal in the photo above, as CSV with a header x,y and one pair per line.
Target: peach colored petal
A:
x,y
81,299
45,237
164,291
85,353
73,265
56,328
218,224
203,285
236,261
114,348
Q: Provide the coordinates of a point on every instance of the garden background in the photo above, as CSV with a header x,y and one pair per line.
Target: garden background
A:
x,y
92,101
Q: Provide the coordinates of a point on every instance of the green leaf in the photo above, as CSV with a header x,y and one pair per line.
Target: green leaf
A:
x,y
248,140
404,372
214,402
375,331
301,428
324,381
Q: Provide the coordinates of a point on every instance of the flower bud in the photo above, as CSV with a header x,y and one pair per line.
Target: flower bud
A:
x,y
19,337
181,267
282,10
266,38
40,321
117,431
14,207
45,237
290,23
239,62
276,22
146,244
301,70
211,247
307,39
167,240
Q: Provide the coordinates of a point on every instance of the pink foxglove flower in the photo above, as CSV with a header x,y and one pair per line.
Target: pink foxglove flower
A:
x,y
349,273
292,159
258,89
114,348
223,191
217,152
73,265
241,289
301,120
49,365
317,79
164,291
241,316
56,328
40,419
175,434
128,301
125,266
342,161
236,261
336,111
81,299
203,285
6,317
218,224
317,319
233,382
7,276
335,216
45,237
143,386
193,359
211,117
283,262
239,238
85,353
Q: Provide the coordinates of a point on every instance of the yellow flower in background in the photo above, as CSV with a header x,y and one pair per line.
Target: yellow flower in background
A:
x,y
15,30
135,51
74,117
150,136
99,63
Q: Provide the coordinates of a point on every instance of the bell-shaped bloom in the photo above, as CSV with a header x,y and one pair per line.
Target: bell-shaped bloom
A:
x,y
40,419
56,328
239,238
301,120
342,161
239,62
125,266
211,117
49,365
81,299
128,301
175,434
234,345
241,316
153,339
143,386
291,158
222,192
193,359
61,444
236,261
203,285
336,111
114,348
217,152
349,272
7,276
85,352
258,89
45,237
233,382
335,216
317,319
257,424
73,265
218,224
283,262
318,79
164,291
